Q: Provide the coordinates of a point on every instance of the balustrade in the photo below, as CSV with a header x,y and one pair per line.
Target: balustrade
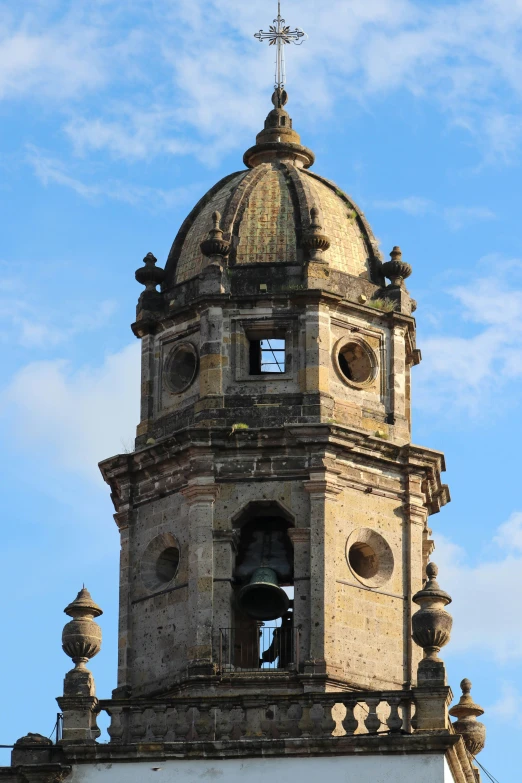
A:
x,y
217,719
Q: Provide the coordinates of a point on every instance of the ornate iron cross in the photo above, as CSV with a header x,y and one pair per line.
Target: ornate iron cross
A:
x,y
279,34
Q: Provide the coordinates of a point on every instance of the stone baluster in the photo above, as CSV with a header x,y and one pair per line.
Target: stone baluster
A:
x,y
205,722
137,725
181,722
191,715
372,720
81,641
467,725
350,722
269,725
394,720
237,716
171,717
116,728
306,723
327,723
289,716
223,723
158,724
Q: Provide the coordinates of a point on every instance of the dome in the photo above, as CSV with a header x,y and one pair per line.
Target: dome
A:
x,y
266,209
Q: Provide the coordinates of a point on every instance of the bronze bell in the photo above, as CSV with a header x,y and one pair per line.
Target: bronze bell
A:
x,y
262,598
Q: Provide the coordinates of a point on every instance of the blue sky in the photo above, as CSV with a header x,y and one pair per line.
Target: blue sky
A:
x,y
114,118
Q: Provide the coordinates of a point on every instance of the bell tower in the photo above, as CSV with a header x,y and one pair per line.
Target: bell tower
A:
x,y
277,603
273,477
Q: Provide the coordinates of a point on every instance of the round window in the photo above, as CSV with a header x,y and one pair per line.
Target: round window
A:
x,y
167,564
356,362
160,562
369,557
182,366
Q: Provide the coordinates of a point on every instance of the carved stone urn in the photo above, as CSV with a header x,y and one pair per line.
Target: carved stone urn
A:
x,y
396,270
81,637
467,725
315,241
431,623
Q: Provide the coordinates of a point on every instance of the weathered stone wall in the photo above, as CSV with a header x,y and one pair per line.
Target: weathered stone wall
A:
x,y
312,388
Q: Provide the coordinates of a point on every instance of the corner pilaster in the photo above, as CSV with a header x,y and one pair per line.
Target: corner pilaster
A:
x,y
200,496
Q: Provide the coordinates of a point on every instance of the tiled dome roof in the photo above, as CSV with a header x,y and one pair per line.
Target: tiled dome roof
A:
x,y
266,209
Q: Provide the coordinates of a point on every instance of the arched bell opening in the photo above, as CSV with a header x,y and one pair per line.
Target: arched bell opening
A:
x,y
263,635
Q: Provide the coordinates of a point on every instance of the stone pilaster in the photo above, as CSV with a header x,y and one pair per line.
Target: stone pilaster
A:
x,y
124,617
225,545
211,358
147,391
323,492
398,412
300,538
200,495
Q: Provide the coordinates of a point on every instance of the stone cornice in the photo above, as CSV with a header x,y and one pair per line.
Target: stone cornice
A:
x,y
436,742
169,458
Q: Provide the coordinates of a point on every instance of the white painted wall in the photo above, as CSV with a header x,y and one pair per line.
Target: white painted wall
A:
x,y
423,768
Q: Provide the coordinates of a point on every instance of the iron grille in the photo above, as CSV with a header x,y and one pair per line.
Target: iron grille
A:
x,y
257,648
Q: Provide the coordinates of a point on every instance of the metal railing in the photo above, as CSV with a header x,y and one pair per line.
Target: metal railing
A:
x,y
258,648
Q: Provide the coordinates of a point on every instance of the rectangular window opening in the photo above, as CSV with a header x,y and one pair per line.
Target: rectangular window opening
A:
x,y
267,355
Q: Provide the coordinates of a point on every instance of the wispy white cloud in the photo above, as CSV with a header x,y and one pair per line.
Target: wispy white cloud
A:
x,y
475,590
54,172
459,372
183,87
459,217
412,205
75,417
456,217
507,705
29,326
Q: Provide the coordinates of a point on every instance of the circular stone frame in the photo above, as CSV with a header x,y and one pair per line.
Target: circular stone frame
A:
x,y
369,355
186,378
159,564
369,557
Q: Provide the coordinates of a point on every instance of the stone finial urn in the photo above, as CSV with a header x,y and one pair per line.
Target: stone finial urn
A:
x,y
214,244
315,241
81,637
467,725
150,275
396,270
431,623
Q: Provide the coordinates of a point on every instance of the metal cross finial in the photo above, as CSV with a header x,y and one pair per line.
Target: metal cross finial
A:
x,y
278,35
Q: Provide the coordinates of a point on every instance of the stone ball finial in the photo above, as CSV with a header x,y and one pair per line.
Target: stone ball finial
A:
x,y
431,623
81,637
396,270
466,711
150,275
279,97
214,244
315,241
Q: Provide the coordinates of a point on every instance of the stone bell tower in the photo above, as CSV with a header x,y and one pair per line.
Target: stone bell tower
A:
x,y
274,513
274,444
